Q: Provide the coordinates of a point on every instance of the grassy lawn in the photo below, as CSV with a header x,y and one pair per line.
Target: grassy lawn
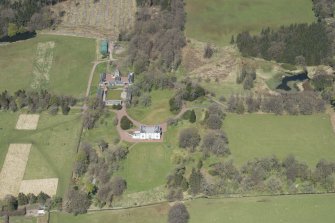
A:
x,y
100,68
309,138
217,20
71,64
54,145
158,112
146,167
288,209
114,95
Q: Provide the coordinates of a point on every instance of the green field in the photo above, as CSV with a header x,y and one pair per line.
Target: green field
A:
x,y
54,145
146,167
309,138
217,20
69,72
100,68
158,112
288,209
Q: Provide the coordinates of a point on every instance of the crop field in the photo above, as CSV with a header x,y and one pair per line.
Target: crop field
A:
x,y
158,112
53,145
57,63
97,18
288,209
309,138
215,21
146,167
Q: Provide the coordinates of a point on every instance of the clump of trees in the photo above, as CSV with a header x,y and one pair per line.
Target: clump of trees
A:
x,y
189,138
93,173
305,103
126,123
95,109
25,15
188,91
36,101
214,117
158,38
246,76
178,214
15,206
190,116
215,142
313,42
323,9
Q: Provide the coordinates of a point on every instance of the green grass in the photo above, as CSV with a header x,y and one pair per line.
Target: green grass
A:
x,y
288,209
100,68
114,94
309,138
158,112
146,167
54,145
72,63
217,20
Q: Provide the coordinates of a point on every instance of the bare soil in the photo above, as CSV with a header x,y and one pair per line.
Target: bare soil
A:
x,y
13,169
27,122
48,186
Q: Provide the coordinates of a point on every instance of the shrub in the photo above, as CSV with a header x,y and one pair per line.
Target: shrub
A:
x,y
126,123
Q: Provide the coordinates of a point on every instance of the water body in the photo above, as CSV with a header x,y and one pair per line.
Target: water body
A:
x,y
18,37
286,79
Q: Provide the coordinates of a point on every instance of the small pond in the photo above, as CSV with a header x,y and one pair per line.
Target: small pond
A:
x,y
18,37
286,79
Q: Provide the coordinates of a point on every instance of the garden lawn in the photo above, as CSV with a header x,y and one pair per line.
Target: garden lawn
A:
x,y
309,138
146,167
70,70
288,209
53,145
217,20
114,94
158,112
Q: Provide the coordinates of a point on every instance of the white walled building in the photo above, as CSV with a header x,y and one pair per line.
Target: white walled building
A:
x,y
148,132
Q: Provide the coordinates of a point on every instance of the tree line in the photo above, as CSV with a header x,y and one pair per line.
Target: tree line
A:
x,y
266,175
313,42
304,103
36,101
158,36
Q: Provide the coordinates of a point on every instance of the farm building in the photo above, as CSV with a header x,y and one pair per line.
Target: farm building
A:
x,y
104,47
148,132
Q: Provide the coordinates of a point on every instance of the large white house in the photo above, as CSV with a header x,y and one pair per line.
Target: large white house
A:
x,y
148,132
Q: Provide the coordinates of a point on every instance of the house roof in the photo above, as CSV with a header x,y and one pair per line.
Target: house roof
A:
x,y
150,129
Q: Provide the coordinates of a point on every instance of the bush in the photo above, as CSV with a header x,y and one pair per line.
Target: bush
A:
x,y
117,107
126,123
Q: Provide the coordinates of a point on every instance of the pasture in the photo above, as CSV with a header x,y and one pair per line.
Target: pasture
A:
x,y
157,112
309,138
60,64
146,167
215,21
53,145
288,209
